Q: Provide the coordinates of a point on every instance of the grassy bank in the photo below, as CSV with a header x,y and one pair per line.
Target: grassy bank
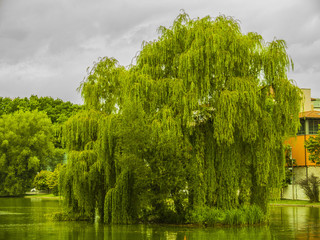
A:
x,y
297,203
43,196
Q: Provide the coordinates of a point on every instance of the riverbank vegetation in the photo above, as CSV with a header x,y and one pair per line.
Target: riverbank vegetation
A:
x,y
195,126
244,215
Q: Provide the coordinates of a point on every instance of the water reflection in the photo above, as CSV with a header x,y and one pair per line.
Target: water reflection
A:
x,y
296,222
25,219
84,231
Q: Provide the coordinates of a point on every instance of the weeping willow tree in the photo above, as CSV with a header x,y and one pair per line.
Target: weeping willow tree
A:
x,y
198,120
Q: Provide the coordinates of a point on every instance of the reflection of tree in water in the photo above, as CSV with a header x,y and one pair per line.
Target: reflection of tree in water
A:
x,y
314,214
182,233
165,232
285,223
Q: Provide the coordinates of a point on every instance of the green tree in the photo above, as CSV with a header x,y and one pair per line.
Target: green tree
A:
x,y
53,180
199,120
25,145
56,109
41,180
48,180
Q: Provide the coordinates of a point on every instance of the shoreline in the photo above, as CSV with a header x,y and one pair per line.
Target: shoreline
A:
x,y
278,203
294,203
43,196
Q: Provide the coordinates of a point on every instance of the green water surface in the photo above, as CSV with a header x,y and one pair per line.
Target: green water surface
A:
x,y
25,218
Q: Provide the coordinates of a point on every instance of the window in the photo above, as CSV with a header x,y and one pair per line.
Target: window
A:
x,y
314,126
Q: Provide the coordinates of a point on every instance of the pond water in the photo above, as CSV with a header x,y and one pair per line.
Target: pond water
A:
x,y
24,218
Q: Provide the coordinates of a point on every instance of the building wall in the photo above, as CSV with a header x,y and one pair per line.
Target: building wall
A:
x,y
316,104
300,154
306,101
301,172
298,150
295,191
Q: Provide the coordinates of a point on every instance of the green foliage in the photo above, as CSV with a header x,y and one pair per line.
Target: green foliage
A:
x,y
240,216
57,157
53,179
313,146
26,144
310,187
64,216
198,121
82,182
118,208
41,180
57,110
290,163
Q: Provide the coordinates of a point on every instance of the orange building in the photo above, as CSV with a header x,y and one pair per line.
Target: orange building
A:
x,y
309,121
303,167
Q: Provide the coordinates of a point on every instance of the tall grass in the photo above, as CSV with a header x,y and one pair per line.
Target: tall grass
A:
x,y
247,215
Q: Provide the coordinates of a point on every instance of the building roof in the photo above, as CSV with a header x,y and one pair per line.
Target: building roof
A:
x,y
310,114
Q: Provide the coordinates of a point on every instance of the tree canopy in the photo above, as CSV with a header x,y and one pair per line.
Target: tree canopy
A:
x,y
198,120
57,110
26,143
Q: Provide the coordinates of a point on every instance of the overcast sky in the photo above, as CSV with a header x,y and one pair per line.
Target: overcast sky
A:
x,y
46,46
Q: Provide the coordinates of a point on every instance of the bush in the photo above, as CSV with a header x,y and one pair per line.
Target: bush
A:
x,y
310,187
240,216
235,217
47,180
41,180
254,215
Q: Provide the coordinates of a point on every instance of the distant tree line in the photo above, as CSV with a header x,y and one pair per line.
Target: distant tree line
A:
x,y
30,130
56,109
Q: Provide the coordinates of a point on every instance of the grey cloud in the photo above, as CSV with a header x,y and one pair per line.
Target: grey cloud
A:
x,y
63,25
56,40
